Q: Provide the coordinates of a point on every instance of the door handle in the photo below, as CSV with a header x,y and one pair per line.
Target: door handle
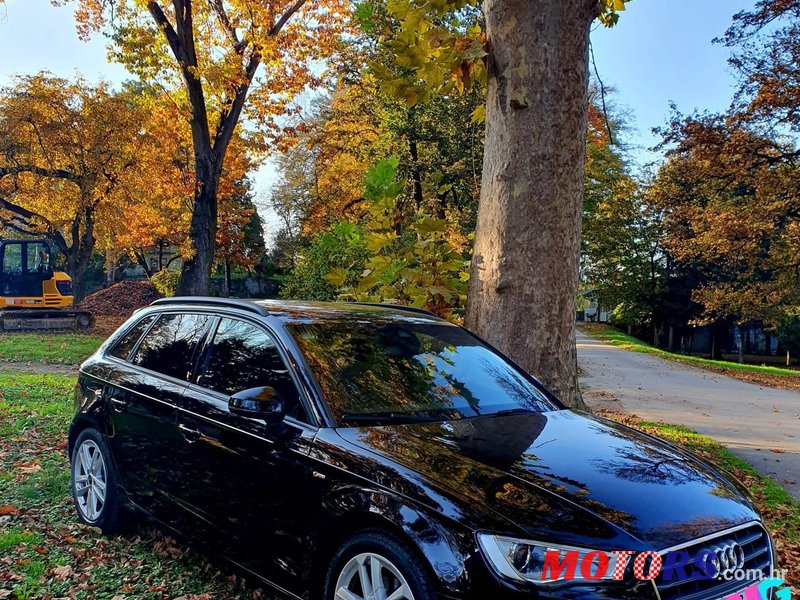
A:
x,y
191,435
117,404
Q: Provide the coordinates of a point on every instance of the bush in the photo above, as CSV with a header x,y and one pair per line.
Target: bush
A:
x,y
341,247
166,282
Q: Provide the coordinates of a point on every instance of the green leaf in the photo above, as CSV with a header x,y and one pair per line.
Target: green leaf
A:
x,y
479,114
446,293
430,225
380,181
336,277
376,242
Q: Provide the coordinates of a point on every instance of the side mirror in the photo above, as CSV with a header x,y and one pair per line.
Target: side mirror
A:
x,y
258,403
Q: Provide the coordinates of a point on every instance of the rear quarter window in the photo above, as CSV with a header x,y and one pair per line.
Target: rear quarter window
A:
x,y
123,348
170,344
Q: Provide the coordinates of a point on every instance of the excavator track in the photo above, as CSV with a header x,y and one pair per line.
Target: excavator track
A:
x,y
43,319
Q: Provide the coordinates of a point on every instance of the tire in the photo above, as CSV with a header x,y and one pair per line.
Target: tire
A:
x,y
399,567
101,507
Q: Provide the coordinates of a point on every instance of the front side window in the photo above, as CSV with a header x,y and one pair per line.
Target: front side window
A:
x,y
12,259
169,346
122,349
243,356
417,369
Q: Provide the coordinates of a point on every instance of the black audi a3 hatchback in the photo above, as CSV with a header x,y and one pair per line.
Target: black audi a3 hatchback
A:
x,y
363,452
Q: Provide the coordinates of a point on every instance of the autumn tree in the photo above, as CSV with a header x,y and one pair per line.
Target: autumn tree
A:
x,y
728,190
621,253
153,208
731,210
240,236
65,151
214,49
766,44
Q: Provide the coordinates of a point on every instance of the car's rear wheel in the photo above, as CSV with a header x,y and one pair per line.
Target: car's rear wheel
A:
x,y
94,484
376,566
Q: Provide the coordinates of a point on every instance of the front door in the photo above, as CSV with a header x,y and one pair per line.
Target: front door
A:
x,y
143,398
247,480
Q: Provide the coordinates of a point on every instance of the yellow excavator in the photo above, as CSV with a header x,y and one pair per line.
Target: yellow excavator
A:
x,y
33,295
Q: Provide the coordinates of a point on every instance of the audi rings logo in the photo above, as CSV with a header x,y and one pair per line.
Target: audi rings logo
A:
x,y
727,560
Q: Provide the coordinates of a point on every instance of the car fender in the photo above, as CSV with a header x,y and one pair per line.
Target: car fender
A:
x,y
445,551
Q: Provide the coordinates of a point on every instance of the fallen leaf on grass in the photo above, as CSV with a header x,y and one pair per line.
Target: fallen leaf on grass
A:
x,y
63,573
9,510
29,467
777,451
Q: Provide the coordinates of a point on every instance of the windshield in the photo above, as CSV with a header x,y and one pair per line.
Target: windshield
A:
x,y
411,369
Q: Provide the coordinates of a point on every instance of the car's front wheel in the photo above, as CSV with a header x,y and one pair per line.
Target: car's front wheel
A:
x,y
94,484
374,565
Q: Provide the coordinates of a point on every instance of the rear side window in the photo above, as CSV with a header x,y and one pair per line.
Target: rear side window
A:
x,y
122,349
170,344
243,356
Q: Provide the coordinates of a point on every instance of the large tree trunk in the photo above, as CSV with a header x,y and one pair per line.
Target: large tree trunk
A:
x,y
228,279
196,271
79,253
524,280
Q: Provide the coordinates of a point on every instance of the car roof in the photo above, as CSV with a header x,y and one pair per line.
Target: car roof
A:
x,y
302,311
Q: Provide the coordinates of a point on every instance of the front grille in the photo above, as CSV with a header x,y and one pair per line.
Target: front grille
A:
x,y
757,554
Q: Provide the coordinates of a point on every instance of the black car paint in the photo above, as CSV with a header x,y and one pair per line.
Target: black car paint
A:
x,y
278,499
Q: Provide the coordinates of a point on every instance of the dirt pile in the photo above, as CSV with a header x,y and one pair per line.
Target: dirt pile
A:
x,y
121,299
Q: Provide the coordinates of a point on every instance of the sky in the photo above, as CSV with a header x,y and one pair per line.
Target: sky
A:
x,y
660,53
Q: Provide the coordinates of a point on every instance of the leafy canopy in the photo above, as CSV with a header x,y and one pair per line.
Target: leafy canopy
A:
x,y
439,46
217,46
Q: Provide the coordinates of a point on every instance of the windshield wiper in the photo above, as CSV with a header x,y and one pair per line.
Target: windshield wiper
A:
x,y
386,417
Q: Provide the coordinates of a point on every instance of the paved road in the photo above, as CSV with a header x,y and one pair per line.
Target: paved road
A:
x,y
749,419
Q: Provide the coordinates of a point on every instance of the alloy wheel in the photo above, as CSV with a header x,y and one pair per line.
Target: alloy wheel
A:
x,y
369,576
90,480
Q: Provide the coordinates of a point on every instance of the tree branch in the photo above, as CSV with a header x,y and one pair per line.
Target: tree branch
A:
x,y
23,223
181,42
40,171
230,30
602,95
279,24
228,118
169,31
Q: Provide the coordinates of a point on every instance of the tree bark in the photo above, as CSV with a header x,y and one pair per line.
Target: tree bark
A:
x,y
78,253
228,279
524,277
196,270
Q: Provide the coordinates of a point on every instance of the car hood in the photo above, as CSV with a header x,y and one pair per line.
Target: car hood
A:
x,y
567,477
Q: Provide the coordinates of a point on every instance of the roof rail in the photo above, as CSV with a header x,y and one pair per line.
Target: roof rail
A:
x,y
213,301
411,309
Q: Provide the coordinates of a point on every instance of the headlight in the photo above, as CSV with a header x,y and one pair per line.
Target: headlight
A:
x,y
536,562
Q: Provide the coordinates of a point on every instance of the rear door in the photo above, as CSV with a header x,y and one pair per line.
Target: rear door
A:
x,y
248,481
143,399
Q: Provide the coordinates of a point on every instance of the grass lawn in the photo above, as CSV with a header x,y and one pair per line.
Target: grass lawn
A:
x,y
48,348
763,375
45,552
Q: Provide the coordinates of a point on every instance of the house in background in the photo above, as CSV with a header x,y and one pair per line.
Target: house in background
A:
x,y
594,311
